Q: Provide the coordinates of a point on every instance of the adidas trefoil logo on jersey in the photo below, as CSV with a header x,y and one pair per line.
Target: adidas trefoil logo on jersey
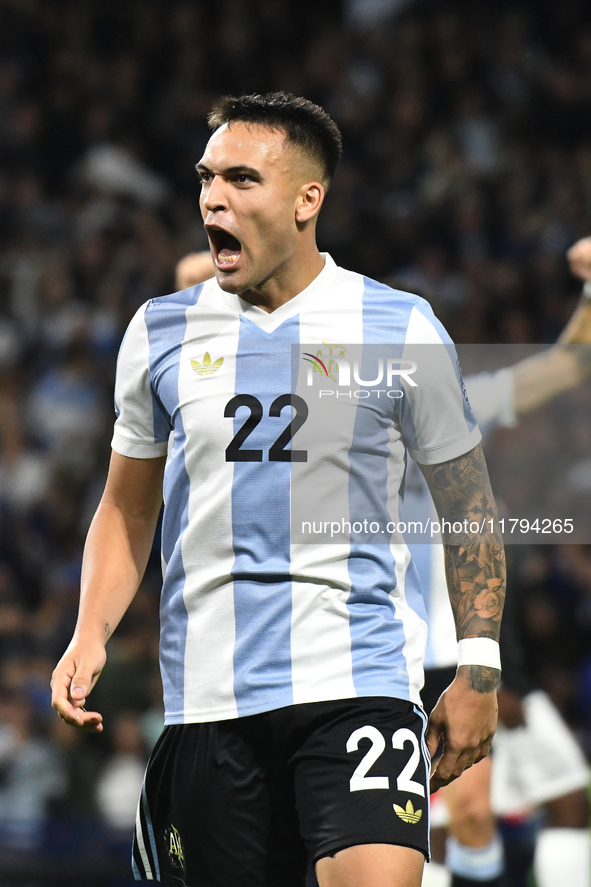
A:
x,y
410,814
207,368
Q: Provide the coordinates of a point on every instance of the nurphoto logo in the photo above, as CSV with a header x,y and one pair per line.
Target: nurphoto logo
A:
x,y
336,366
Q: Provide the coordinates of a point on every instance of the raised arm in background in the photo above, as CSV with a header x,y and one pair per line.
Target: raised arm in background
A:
x,y
539,379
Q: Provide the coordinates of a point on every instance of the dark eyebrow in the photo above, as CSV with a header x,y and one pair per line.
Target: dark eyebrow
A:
x,y
232,170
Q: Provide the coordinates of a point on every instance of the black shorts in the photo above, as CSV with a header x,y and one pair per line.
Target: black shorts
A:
x,y
249,801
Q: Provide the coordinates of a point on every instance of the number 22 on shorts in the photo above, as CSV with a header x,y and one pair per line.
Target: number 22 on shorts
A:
x,y
361,782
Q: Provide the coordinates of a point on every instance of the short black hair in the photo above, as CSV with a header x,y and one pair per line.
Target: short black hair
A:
x,y
305,124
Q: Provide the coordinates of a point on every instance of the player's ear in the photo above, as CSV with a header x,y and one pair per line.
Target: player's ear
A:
x,y
309,201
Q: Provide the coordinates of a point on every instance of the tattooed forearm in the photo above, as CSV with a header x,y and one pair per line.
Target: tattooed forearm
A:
x,y
474,563
476,581
481,678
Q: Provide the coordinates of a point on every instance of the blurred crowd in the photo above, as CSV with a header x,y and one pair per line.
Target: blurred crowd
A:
x,y
466,175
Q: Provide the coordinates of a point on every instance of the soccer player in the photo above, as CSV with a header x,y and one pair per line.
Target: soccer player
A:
x,y
559,781
291,671
537,761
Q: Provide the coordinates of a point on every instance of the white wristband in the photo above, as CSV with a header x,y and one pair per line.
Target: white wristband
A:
x,y
479,651
587,290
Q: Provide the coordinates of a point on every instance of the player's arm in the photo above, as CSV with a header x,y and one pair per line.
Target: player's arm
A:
x,y
466,714
115,557
543,377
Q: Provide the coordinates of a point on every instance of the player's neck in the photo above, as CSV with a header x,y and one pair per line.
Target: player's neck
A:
x,y
287,281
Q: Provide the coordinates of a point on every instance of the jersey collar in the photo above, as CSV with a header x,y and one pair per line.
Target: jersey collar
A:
x,y
270,322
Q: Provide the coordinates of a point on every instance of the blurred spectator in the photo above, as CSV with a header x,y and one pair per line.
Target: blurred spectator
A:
x,y
121,779
80,762
31,776
64,405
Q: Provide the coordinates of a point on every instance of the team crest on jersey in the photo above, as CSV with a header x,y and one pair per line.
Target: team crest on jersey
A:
x,y
174,846
409,815
325,361
207,368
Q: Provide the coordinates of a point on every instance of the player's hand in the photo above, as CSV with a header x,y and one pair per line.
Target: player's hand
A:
x,y
193,269
579,258
74,677
466,721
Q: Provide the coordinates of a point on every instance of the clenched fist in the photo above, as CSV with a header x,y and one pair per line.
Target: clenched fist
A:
x,y
579,258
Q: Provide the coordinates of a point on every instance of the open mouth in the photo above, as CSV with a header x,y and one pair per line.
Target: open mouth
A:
x,y
227,248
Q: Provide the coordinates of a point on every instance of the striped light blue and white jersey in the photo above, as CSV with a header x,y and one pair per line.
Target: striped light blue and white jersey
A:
x,y
251,620
492,399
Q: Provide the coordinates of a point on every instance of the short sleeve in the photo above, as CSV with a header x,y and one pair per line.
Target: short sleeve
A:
x,y
142,427
492,397
437,422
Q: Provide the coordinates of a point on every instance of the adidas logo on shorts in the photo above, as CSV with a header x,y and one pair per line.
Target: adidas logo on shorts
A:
x,y
408,815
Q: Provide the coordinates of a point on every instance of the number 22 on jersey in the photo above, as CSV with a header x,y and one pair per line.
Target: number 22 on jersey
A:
x,y
277,451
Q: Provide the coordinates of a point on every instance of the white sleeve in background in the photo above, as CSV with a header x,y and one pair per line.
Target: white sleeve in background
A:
x,y
492,398
142,427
